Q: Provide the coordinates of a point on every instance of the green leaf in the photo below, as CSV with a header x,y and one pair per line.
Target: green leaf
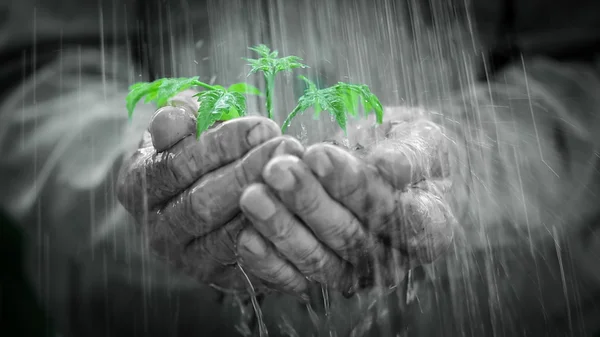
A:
x,y
270,64
339,100
159,91
261,50
244,88
218,105
137,91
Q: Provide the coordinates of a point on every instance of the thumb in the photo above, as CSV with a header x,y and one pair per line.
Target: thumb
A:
x,y
169,125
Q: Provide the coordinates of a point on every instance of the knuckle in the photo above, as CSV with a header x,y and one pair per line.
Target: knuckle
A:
x,y
220,146
292,283
315,262
278,271
283,231
345,235
309,254
198,206
217,144
308,204
240,175
181,164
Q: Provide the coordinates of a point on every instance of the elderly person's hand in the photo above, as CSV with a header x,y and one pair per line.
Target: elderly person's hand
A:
x,y
351,219
184,192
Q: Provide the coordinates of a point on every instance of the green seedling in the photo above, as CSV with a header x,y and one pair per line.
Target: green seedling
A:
x,y
217,103
269,64
339,100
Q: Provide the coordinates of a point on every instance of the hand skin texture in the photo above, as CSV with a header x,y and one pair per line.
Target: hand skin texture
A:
x,y
350,221
290,216
185,191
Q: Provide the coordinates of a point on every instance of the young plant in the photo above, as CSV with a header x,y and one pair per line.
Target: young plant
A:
x,y
217,103
339,100
269,64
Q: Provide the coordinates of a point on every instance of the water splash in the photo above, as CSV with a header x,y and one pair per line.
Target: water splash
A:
x,y
327,311
262,327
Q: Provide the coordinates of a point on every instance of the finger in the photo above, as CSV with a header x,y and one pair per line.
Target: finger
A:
x,y
353,183
294,240
170,125
304,196
152,178
214,199
401,219
259,257
412,152
210,259
428,224
208,256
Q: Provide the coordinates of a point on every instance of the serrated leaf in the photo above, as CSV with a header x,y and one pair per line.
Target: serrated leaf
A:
x,y
137,91
340,117
270,64
339,100
244,88
318,110
230,114
218,104
172,86
350,99
310,85
288,63
261,50
159,91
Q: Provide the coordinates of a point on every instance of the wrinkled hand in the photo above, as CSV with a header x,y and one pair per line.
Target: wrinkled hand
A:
x,y
348,220
185,192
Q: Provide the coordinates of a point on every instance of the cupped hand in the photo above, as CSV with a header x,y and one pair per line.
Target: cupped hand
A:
x,y
185,191
350,221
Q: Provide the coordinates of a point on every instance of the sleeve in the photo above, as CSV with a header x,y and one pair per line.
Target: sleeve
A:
x,y
526,193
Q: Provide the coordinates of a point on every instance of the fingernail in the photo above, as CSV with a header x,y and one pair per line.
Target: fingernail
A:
x,y
262,208
322,165
258,135
251,244
279,176
279,150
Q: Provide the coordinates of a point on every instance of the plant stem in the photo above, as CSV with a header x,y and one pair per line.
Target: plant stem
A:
x,y
289,118
205,85
270,82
